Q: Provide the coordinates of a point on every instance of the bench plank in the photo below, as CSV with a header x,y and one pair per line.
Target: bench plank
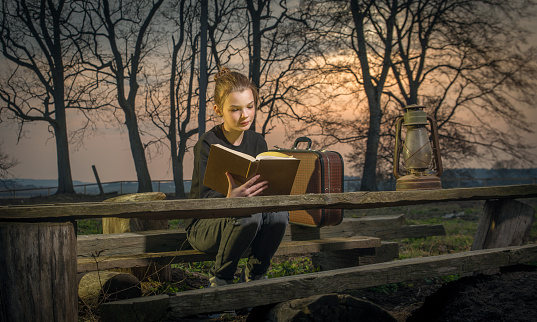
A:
x,y
237,207
276,290
86,264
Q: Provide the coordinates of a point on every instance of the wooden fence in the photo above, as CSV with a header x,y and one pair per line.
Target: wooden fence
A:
x,y
38,260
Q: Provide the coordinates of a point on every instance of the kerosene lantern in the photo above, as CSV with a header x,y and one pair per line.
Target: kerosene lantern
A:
x,y
422,165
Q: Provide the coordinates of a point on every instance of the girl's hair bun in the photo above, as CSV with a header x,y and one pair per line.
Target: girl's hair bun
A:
x,y
222,72
227,81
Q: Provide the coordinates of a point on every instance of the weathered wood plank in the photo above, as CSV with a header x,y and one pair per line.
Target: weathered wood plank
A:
x,y
87,264
504,223
300,286
151,241
223,207
384,227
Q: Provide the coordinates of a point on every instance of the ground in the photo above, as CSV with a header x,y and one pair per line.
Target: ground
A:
x,y
510,295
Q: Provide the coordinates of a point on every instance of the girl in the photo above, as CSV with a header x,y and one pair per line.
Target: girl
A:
x,y
236,99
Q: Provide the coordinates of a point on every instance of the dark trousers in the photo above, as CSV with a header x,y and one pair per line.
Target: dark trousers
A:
x,y
229,238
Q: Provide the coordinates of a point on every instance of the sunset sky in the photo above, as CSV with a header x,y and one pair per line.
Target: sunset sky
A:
x,y
109,151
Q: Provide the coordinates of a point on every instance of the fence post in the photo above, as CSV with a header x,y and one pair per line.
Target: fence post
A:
x,y
98,180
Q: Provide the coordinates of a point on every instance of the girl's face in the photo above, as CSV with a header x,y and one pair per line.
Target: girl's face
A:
x,y
238,111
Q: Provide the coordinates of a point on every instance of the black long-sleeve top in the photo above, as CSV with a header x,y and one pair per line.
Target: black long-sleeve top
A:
x,y
252,144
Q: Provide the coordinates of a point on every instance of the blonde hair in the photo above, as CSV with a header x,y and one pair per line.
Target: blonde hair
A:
x,y
227,82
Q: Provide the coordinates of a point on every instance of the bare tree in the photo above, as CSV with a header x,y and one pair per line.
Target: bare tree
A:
x,y
363,31
171,103
459,58
277,46
462,58
6,164
41,79
123,39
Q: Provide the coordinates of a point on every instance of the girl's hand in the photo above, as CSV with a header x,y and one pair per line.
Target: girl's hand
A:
x,y
248,189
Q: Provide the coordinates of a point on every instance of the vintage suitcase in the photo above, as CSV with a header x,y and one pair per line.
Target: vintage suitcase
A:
x,y
318,172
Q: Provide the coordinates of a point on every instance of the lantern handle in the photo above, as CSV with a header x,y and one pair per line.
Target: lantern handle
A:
x,y
398,148
436,147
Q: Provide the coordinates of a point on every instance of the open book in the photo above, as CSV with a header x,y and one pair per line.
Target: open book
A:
x,y
277,168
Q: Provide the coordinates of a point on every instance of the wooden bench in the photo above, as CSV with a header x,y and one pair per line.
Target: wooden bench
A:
x,y
39,241
87,264
162,247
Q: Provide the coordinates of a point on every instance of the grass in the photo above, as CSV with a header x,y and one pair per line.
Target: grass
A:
x,y
89,226
458,238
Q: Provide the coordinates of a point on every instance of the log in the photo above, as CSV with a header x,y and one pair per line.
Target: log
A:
x,y
113,225
122,225
276,290
104,286
240,207
504,223
38,272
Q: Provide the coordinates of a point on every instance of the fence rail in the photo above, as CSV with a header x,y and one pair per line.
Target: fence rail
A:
x,y
167,186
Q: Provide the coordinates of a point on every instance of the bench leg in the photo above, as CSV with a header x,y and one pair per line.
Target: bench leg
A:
x,y
356,257
503,223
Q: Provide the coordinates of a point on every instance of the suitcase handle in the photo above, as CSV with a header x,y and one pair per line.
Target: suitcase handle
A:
x,y
302,139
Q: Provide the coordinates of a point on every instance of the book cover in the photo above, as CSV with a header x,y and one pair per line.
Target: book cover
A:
x,y
277,168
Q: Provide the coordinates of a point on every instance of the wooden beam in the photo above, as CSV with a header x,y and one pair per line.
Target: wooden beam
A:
x,y
225,207
384,227
87,264
276,290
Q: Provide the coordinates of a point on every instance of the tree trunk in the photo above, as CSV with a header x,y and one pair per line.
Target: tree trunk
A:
x,y
203,67
138,152
38,272
65,180
373,85
177,168
114,225
369,174
255,57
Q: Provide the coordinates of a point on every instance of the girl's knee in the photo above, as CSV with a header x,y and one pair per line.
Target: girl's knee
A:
x,y
253,220
281,217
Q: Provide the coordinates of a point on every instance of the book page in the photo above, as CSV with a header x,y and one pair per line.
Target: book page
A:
x,y
274,155
244,155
